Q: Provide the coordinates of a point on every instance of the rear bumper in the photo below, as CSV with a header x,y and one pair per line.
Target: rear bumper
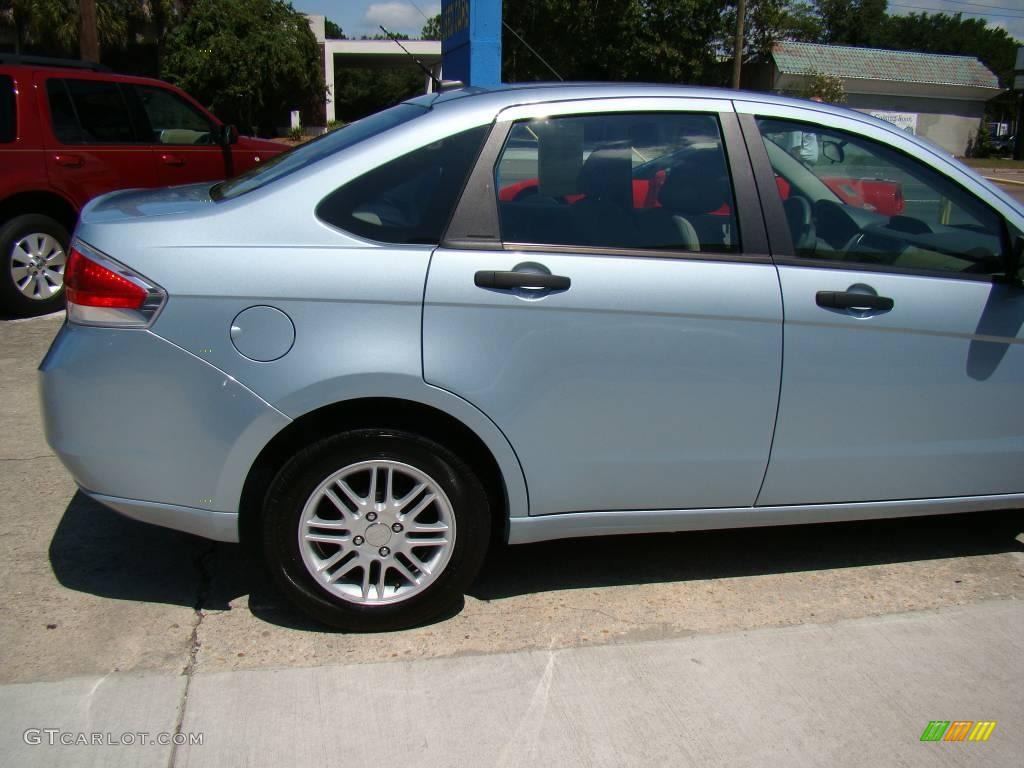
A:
x,y
219,526
151,429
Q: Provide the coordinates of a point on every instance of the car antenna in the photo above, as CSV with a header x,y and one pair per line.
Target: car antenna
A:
x,y
439,84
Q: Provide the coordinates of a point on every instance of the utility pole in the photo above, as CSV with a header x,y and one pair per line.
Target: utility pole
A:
x,y
1018,91
737,64
88,40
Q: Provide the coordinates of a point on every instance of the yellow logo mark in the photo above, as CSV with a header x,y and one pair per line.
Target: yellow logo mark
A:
x,y
982,730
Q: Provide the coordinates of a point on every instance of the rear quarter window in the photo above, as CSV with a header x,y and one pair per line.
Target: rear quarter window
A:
x,y
409,199
8,124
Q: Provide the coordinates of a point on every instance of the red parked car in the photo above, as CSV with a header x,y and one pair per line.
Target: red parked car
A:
x,y
70,131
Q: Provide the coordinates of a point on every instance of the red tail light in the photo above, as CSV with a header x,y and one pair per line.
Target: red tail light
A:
x,y
89,284
104,292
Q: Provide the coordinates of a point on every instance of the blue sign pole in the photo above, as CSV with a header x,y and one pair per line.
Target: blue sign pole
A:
x,y
471,41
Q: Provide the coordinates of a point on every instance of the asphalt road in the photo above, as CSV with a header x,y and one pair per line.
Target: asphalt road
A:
x,y
92,597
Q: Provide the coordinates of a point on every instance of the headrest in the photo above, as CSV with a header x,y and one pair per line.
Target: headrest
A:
x,y
607,175
699,185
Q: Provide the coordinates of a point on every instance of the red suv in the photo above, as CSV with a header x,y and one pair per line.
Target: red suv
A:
x,y
70,131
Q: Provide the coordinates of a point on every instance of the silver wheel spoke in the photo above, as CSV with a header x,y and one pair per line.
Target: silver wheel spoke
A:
x,y
400,567
37,266
427,501
331,560
380,552
357,500
346,569
327,538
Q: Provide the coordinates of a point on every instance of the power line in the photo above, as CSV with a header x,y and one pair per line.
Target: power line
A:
x,y
965,13
530,49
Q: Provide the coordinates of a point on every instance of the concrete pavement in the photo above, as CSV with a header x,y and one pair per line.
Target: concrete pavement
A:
x,y
851,693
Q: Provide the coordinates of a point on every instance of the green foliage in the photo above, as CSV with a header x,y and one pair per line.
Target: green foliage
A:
x,y
359,92
250,62
823,87
981,144
432,29
332,31
768,21
50,27
853,22
639,40
333,125
295,133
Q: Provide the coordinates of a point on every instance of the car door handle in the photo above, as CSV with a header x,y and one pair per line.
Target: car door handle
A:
x,y
507,280
851,300
169,159
68,161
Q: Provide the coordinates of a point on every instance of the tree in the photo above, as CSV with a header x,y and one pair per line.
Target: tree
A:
x,y
332,31
432,29
853,22
51,27
650,40
768,21
250,61
823,87
981,144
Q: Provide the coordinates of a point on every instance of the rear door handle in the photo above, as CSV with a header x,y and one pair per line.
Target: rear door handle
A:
x,y
508,280
68,161
851,300
169,159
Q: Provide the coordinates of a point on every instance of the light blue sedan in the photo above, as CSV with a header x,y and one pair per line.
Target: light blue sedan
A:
x,y
538,313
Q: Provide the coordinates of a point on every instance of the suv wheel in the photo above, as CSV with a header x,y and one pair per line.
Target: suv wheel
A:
x,y
375,529
33,254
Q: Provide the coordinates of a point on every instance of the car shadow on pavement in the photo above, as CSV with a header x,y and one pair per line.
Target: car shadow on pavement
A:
x,y
98,551
652,558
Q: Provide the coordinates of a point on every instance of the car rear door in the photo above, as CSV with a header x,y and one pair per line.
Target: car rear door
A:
x,y
904,355
92,141
632,359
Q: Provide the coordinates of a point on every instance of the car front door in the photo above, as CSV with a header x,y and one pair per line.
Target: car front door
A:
x,y
627,344
903,348
186,148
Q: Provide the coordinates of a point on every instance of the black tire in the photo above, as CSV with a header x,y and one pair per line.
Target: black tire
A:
x,y
304,473
12,232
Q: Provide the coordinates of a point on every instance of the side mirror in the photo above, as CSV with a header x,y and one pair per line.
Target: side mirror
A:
x,y
833,151
228,135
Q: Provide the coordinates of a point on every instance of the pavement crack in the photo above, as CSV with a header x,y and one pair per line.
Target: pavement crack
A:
x,y
203,563
28,458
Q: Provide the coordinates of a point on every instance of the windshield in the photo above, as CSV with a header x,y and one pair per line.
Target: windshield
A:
x,y
319,148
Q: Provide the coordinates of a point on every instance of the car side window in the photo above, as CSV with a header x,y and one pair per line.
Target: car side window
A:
x,y
646,181
89,112
409,199
171,119
7,121
854,200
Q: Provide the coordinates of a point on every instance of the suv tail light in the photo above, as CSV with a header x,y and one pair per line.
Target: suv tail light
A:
x,y
102,291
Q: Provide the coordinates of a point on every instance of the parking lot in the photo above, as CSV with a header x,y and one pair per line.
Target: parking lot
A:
x,y
94,597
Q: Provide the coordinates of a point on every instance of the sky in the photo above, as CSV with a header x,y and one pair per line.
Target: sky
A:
x,y
361,17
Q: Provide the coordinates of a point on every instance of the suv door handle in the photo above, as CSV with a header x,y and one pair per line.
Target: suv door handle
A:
x,y
507,280
169,159
851,300
68,161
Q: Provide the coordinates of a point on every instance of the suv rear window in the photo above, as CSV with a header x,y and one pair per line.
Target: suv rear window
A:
x,y
7,122
89,112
